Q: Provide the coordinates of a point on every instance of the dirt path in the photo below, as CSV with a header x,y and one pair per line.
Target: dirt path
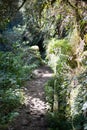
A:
x,y
32,114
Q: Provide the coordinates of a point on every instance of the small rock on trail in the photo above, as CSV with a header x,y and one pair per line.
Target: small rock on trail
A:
x,y
32,115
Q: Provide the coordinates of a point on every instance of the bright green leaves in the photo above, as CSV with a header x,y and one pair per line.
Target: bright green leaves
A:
x,y
57,53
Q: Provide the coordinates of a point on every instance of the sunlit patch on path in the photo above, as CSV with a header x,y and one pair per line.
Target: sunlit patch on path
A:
x,y
33,113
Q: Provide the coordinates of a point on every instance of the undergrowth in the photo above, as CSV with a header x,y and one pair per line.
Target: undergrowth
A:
x,y
15,68
66,91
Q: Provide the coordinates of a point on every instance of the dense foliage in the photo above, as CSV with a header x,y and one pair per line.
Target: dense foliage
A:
x,y
67,89
15,68
59,29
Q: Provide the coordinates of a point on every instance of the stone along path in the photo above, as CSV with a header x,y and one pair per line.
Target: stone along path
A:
x,y
33,114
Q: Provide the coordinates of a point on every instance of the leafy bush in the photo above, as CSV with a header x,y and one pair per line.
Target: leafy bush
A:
x,y
58,118
55,45
78,119
58,53
68,86
10,100
15,68
57,123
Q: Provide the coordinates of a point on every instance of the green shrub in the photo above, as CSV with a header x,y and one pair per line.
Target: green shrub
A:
x,y
15,68
59,118
55,46
58,52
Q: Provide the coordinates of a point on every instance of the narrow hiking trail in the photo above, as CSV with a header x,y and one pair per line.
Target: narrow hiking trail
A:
x,y
32,114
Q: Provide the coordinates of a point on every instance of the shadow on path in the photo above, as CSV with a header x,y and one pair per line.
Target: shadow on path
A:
x,y
32,114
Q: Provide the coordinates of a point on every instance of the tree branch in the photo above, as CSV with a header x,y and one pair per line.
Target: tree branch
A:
x,y
21,5
71,4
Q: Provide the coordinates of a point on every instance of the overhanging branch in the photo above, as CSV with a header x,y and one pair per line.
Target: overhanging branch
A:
x,y
73,6
22,4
